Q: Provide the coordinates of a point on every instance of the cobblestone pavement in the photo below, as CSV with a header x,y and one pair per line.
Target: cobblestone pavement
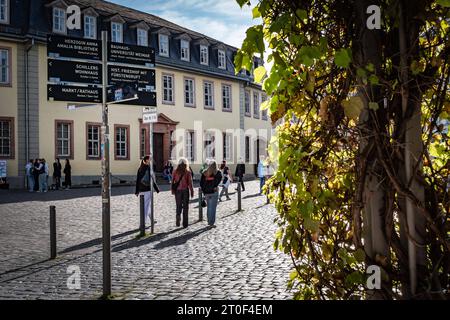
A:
x,y
234,261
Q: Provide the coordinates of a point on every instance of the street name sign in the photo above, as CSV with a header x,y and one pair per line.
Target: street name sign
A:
x,y
150,115
75,48
74,93
145,98
130,54
71,71
145,78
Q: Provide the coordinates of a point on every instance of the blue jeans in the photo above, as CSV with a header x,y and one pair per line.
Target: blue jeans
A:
x,y
211,200
30,180
42,182
262,182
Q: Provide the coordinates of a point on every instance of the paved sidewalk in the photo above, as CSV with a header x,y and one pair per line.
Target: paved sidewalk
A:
x,y
234,261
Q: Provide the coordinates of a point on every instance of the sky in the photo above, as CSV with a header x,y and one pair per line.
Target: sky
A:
x,y
222,20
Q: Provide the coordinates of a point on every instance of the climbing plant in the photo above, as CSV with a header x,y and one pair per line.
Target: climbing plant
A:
x,y
362,143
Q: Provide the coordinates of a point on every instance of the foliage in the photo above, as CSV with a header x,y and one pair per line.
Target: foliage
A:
x,y
325,100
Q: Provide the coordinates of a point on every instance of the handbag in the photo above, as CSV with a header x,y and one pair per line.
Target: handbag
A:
x,y
204,204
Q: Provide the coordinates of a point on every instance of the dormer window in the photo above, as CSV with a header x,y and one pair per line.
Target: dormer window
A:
x,y
185,48
4,11
59,20
222,59
204,56
90,27
142,37
164,45
116,32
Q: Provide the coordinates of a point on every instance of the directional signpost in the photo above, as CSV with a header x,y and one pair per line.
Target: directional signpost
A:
x,y
88,72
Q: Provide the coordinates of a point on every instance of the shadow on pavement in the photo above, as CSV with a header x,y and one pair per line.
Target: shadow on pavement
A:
x,y
181,239
252,196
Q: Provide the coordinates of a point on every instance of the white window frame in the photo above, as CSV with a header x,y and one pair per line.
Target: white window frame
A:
x,y
122,142
190,146
189,91
204,55
264,113
227,146
168,90
9,138
63,140
248,103
222,59
256,105
5,5
116,31
142,37
185,48
5,54
210,145
164,45
227,96
92,27
208,95
61,22
94,141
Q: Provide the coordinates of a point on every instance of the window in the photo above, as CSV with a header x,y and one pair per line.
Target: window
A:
x,y
163,45
189,92
59,20
222,60
64,139
190,145
172,156
6,138
226,97
210,151
256,105
204,58
116,32
209,94
90,27
93,141
4,11
248,111
227,139
122,146
185,50
5,69
168,94
264,112
142,37
247,149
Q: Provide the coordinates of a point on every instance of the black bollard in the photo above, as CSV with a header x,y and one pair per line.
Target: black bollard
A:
x,y
53,250
200,207
239,190
142,215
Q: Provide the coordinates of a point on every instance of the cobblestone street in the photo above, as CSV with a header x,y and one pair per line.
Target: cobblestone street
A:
x,y
234,261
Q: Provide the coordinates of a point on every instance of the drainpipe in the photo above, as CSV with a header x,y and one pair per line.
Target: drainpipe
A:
x,y
28,48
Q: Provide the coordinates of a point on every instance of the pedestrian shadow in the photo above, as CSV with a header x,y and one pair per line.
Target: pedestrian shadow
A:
x,y
96,242
180,240
253,196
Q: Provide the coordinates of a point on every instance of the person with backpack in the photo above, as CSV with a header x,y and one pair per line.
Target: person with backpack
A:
x,y
209,185
227,179
143,186
182,186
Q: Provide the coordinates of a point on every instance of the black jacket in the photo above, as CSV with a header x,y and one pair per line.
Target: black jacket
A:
x,y
240,170
141,187
209,185
57,170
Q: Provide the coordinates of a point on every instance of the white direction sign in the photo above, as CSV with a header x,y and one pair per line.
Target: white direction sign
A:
x,y
150,115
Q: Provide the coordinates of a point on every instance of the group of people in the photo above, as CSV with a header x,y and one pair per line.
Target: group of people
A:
x,y
182,186
38,171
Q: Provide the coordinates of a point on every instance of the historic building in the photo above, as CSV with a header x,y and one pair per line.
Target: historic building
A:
x,y
197,91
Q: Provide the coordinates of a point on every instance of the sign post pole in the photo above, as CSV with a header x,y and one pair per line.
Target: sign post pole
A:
x,y
152,189
106,178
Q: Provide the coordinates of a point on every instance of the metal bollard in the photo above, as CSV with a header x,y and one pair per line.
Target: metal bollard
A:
x,y
200,208
239,190
53,250
142,215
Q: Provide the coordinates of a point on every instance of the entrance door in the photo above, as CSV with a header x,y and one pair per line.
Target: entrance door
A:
x,y
158,153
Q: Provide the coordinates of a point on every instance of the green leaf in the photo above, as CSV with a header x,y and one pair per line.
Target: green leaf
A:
x,y
373,106
361,73
302,14
256,13
373,79
354,278
444,3
370,67
360,255
312,225
259,74
242,2
343,58
353,107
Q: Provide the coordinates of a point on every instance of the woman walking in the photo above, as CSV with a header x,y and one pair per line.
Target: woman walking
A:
x,y
143,186
182,186
209,184
68,175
